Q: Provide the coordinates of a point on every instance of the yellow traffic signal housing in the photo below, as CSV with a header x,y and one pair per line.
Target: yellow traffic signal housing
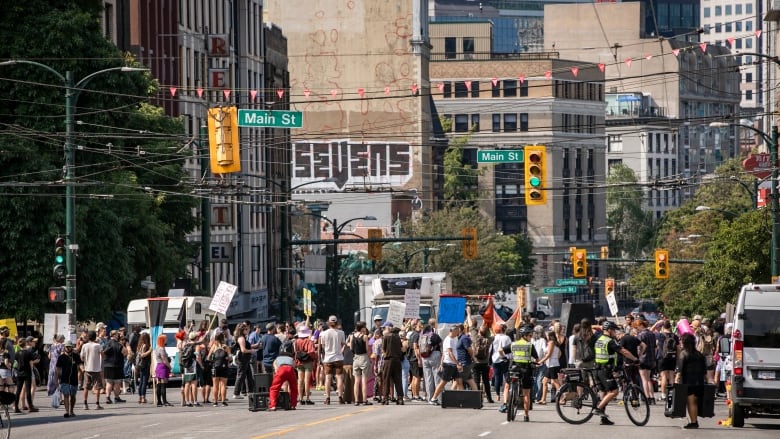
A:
x,y
470,244
224,148
609,286
375,248
604,252
579,261
534,159
661,264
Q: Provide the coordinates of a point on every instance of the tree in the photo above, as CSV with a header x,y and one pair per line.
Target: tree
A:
x,y
630,226
460,180
132,214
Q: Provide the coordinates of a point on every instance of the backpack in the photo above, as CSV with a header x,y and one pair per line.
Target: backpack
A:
x,y
587,349
187,356
287,346
482,348
706,345
426,344
670,347
219,358
303,355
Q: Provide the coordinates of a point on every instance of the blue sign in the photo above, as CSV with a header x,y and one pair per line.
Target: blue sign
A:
x,y
452,309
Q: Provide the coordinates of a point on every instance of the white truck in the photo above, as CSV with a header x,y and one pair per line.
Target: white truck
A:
x,y
187,310
540,307
754,349
377,290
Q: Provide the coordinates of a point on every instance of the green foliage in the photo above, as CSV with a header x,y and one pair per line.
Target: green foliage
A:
x,y
131,213
460,180
630,227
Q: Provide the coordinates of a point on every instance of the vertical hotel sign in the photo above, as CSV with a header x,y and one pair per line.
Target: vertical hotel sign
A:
x,y
218,47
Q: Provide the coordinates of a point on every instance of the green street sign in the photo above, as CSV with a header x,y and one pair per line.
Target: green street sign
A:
x,y
565,282
270,118
560,290
500,156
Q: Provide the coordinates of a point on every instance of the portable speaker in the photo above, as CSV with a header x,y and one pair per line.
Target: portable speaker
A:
x,y
573,313
262,382
258,402
463,399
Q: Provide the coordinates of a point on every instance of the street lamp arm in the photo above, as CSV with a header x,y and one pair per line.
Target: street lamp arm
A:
x,y
83,81
344,223
44,66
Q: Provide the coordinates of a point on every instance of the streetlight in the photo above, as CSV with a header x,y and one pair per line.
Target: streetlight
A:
x,y
753,193
72,92
725,212
426,253
771,142
337,228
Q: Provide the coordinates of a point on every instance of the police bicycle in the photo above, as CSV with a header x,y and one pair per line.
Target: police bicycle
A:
x,y
515,400
578,397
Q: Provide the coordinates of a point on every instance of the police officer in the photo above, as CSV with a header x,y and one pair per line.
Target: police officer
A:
x,y
606,361
524,357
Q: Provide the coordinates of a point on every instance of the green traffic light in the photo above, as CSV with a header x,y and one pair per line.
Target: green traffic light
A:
x,y
534,181
59,259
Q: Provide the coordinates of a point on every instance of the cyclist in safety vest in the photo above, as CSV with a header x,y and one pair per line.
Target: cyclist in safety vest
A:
x,y
606,361
524,357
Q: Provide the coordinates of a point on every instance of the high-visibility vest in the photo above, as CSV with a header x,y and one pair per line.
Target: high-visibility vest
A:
x,y
521,352
603,357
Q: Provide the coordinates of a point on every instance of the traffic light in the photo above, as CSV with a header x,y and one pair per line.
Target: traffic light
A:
x,y
604,252
579,260
56,294
609,286
224,147
534,158
470,244
375,248
661,264
60,270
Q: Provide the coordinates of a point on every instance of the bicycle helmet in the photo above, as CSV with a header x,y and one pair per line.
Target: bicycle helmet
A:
x,y
524,330
608,325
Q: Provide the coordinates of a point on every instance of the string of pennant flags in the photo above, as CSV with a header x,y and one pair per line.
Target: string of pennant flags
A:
x,y
361,91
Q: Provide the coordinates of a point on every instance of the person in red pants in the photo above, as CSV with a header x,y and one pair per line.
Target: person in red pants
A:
x,y
284,372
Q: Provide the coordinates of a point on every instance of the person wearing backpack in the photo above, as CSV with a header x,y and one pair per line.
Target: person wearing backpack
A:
x,y
187,363
429,347
668,362
219,358
705,344
482,356
584,346
646,358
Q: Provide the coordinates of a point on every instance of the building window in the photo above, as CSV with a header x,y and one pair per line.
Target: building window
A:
x,y
496,123
748,8
738,26
728,9
460,90
474,89
510,88
718,28
748,77
706,12
461,123
523,121
468,47
748,95
749,26
449,47
728,27
496,90
749,43
475,122
524,89
738,43
447,92
718,11
510,122
738,9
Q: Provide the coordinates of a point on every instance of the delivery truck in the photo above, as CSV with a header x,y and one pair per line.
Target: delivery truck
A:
x,y
377,290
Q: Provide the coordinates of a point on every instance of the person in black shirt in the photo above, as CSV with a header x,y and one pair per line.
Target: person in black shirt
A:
x,y
26,359
68,367
113,366
691,370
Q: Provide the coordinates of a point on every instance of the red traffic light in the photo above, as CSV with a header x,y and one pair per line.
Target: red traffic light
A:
x,y
56,294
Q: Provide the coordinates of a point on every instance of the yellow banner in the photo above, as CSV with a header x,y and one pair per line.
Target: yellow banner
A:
x,y
11,324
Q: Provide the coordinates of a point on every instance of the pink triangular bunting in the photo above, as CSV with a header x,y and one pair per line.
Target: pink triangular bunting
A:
x,y
757,33
731,41
521,78
173,91
703,47
226,93
334,92
414,89
280,93
362,91
602,66
306,92
574,71
628,62
548,74
468,85
648,56
441,87
200,92
494,81
253,94
387,91
676,52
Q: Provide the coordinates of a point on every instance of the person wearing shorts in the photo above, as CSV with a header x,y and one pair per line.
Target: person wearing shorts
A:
x,y
67,366
360,362
93,366
450,369
203,372
332,341
305,368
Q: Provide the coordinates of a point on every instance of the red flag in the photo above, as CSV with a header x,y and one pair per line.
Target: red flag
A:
x,y
521,78
757,33
676,52
489,313
441,87
548,74
494,81
334,92
414,89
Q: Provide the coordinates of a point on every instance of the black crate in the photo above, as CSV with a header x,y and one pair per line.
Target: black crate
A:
x,y
258,402
676,401
707,401
283,401
262,382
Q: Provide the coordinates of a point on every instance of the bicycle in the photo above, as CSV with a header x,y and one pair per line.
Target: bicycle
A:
x,y
515,400
576,401
6,399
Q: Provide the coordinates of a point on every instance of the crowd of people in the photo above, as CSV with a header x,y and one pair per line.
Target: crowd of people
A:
x,y
376,363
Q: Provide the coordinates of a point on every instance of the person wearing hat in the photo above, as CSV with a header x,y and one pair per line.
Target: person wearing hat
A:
x,y
67,366
305,354
332,341
378,322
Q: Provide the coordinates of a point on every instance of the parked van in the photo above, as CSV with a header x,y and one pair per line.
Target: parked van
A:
x,y
755,354
182,311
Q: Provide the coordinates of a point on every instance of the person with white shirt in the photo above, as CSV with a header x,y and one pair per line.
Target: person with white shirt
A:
x,y
93,366
499,359
450,368
332,341
540,344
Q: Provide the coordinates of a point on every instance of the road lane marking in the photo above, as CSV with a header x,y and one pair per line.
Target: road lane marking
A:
x,y
310,424
483,434
150,425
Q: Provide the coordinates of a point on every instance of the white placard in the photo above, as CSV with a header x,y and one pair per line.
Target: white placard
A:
x,y
425,287
376,287
395,314
55,324
613,306
222,297
412,301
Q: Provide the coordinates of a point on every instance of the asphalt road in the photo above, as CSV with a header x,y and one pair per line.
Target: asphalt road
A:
x,y
416,419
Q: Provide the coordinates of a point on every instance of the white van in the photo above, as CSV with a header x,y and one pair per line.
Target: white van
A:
x,y
755,353
188,310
